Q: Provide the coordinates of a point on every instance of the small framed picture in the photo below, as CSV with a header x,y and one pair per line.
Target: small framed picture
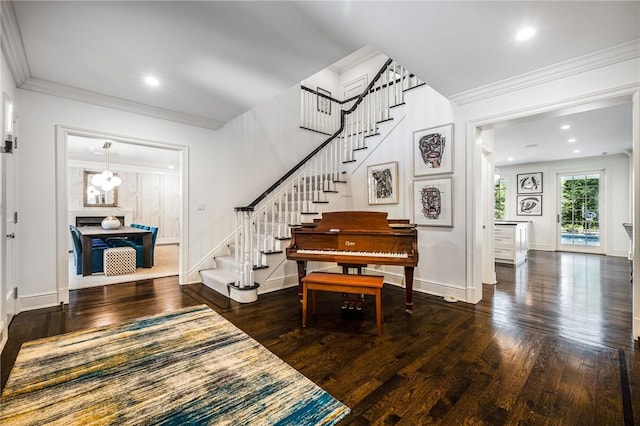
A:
x,y
433,150
433,202
382,182
529,205
530,183
324,103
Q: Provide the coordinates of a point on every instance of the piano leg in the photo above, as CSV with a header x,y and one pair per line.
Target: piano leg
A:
x,y
302,271
408,275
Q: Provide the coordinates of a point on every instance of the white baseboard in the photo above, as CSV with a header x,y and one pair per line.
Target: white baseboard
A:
x,y
619,253
37,301
420,286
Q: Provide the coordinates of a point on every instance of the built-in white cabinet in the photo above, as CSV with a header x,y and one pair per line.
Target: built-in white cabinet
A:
x,y
511,242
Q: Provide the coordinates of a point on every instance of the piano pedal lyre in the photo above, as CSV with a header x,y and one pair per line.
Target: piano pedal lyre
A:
x,y
352,302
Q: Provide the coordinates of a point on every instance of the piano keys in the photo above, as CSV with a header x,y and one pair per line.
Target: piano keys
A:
x,y
356,239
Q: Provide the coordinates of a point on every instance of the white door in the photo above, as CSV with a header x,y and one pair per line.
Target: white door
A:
x,y
580,228
8,214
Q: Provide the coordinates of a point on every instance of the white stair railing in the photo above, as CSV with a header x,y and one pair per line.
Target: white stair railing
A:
x,y
264,224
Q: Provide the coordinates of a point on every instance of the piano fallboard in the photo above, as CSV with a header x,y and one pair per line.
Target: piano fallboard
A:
x,y
335,247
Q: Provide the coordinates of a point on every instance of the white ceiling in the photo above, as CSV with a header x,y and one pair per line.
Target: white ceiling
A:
x,y
218,59
599,130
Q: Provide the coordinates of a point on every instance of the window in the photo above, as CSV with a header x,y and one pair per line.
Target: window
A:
x,y
500,195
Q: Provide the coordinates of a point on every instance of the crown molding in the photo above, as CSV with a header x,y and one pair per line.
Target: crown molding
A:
x,y
599,59
76,94
12,46
14,53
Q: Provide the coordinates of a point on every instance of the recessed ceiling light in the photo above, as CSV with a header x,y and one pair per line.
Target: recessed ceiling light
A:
x,y
576,151
151,81
510,159
525,33
572,140
565,127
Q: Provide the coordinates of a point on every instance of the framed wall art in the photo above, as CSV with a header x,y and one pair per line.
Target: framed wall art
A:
x,y
433,150
324,104
382,182
529,205
530,183
433,202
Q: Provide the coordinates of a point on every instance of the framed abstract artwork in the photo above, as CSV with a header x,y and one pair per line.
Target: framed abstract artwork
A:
x,y
382,182
433,150
529,205
433,202
530,183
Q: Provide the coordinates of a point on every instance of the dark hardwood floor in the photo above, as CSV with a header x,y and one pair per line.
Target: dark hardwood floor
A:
x,y
551,343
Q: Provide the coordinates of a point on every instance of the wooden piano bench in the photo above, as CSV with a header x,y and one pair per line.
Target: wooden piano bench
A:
x,y
342,283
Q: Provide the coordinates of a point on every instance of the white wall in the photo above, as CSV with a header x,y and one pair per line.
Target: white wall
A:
x,y
227,168
152,196
532,94
442,251
542,232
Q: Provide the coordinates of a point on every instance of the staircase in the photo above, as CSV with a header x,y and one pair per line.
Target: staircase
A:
x,y
263,228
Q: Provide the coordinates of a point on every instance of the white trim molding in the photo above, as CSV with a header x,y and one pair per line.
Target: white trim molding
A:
x,y
76,94
13,49
601,58
12,46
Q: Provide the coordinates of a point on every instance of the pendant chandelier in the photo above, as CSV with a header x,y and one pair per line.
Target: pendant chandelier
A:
x,y
106,180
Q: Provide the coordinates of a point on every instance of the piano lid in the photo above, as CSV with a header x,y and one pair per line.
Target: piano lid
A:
x,y
352,221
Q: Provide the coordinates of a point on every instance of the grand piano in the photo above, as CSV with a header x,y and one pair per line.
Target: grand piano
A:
x,y
356,239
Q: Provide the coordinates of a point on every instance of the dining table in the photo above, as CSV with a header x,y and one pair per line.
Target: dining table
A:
x,y
88,233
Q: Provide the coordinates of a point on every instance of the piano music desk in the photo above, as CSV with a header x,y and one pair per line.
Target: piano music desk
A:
x,y
342,283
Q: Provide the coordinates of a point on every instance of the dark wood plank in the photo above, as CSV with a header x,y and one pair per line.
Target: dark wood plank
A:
x,y
542,347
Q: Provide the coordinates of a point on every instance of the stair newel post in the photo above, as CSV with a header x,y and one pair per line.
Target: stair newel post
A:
x,y
243,247
237,246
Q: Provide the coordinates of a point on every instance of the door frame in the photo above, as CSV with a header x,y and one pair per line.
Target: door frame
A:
x,y
475,127
8,256
602,248
62,226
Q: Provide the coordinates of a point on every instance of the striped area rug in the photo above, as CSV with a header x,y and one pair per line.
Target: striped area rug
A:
x,y
187,367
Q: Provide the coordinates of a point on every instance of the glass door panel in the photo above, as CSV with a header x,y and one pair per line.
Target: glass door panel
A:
x,y
580,228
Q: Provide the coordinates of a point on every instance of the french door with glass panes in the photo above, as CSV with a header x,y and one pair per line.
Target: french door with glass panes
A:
x,y
580,212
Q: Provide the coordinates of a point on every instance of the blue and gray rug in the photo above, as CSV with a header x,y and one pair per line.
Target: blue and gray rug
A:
x,y
187,367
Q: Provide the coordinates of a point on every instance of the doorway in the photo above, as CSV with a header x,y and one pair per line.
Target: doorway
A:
x,y
63,134
580,205
586,233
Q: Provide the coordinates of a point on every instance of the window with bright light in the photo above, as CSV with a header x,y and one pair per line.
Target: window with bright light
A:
x,y
500,197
